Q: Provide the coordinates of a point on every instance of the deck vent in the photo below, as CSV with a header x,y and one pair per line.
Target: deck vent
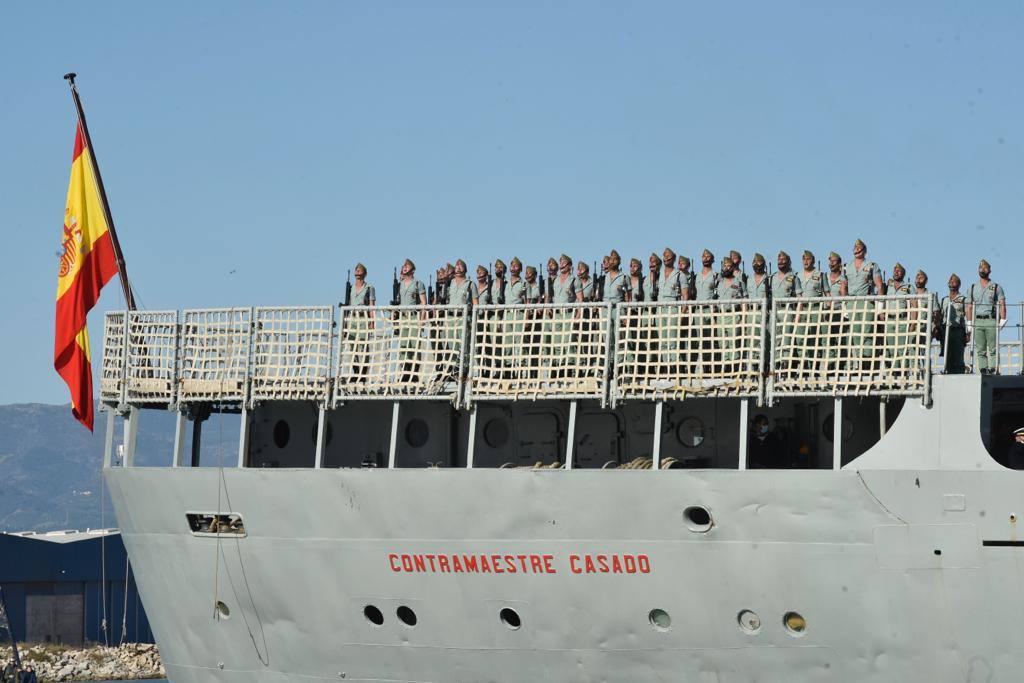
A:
x,y
510,618
698,519
660,620
373,615
406,615
795,624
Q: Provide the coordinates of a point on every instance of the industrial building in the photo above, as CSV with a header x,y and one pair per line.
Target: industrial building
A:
x,y
71,587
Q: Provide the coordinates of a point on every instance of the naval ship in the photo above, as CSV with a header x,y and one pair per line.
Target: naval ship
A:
x,y
570,493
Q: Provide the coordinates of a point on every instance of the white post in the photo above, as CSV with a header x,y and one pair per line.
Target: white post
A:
x,y
321,429
243,437
392,449
108,438
881,417
471,446
656,451
180,420
131,431
570,438
744,431
837,435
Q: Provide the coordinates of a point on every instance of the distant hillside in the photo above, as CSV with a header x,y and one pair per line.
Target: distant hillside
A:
x,y
50,465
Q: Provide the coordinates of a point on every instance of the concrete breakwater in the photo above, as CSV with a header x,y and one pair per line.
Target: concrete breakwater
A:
x,y
95,663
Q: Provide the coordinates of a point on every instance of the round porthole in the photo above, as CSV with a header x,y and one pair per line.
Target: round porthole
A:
x,y
690,432
496,433
795,624
510,618
698,519
660,620
406,615
417,433
223,611
282,433
373,615
749,622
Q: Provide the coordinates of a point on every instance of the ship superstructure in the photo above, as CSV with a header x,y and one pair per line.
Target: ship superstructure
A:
x,y
564,493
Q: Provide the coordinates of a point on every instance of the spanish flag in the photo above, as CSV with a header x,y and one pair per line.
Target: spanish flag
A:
x,y
86,264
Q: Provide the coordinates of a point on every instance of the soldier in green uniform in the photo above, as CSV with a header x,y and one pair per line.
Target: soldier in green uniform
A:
x,y
411,292
552,274
702,343
670,318
615,281
934,330
497,293
956,336
359,321
896,319
758,289
838,286
482,293
863,279
731,328
689,281
513,322
783,287
986,303
737,267
564,290
810,332
532,322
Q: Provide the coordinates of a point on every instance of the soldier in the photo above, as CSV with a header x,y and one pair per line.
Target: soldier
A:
x,y
670,318
688,279
784,284
616,282
956,336
651,281
935,329
897,314
737,267
864,279
564,290
497,293
552,274
584,338
635,284
358,322
758,289
514,322
515,288
584,283
731,288
810,284
532,286
701,342
707,279
838,285
532,325
411,292
482,293
985,301
460,291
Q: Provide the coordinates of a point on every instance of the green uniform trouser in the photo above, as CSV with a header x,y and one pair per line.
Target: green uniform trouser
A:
x,y
408,344
808,342
862,329
668,337
985,339
897,340
955,351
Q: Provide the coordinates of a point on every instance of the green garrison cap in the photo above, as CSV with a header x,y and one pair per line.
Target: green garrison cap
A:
x,y
685,260
636,261
481,268
411,263
531,269
782,253
921,272
515,260
727,260
460,262
360,265
808,254
669,250
833,255
735,255
552,260
565,257
655,257
985,263
499,262
614,255
956,277
900,266
860,243
708,252
582,265
758,257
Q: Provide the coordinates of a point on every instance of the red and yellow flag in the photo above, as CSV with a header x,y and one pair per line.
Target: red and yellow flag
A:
x,y
86,264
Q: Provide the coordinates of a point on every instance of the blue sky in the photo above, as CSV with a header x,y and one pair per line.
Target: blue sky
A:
x,y
254,151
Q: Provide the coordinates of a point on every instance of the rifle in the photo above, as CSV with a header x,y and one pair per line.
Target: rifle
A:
x,y
543,296
598,293
490,279
396,289
348,289
430,290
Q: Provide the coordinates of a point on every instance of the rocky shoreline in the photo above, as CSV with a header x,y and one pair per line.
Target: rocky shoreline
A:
x,y
95,663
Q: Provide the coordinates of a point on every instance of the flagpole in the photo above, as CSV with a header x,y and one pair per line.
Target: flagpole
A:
x,y
129,296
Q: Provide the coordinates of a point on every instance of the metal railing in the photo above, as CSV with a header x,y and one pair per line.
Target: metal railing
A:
x,y
542,351
688,348
850,346
853,346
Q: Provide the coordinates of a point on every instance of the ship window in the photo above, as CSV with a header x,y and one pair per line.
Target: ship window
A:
x,y
373,615
282,433
660,620
417,433
510,618
698,519
223,611
749,622
406,615
795,624
496,433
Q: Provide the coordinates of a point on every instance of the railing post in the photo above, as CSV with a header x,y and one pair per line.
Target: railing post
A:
x,y
837,435
974,336
882,421
393,446
108,438
656,450
321,429
744,431
570,438
131,431
471,446
179,439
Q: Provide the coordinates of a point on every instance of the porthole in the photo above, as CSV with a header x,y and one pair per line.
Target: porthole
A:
x,y
749,622
690,432
698,519
417,433
510,618
282,433
223,611
795,624
373,615
660,620
496,433
406,615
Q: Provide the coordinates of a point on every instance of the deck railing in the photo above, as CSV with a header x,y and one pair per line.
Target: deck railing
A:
x,y
850,346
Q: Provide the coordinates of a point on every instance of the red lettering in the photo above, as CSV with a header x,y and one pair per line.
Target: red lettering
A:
x,y
644,563
535,562
496,564
602,562
430,559
393,560
456,564
616,565
573,559
547,564
522,562
442,562
588,563
630,563
510,564
421,566
406,563
485,566
470,561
